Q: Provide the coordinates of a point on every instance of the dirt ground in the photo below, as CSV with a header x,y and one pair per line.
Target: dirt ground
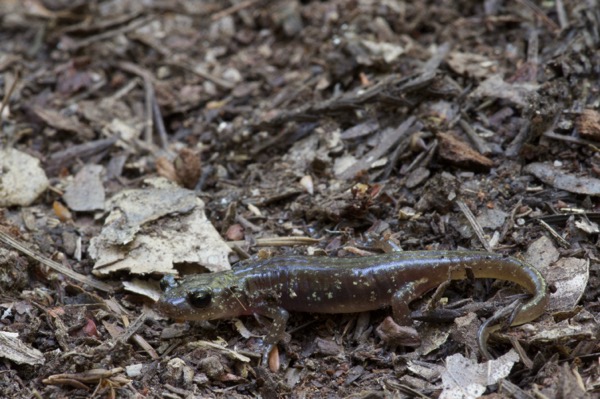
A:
x,y
142,139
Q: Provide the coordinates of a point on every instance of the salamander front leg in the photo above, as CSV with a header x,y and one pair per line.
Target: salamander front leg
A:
x,y
280,317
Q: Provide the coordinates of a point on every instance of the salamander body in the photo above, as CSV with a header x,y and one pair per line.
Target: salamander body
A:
x,y
274,286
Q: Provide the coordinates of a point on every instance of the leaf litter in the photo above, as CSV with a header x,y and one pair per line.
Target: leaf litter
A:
x,y
286,121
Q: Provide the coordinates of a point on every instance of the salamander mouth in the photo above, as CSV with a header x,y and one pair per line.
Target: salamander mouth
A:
x,y
171,307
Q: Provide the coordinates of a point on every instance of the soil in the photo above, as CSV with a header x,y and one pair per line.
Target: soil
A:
x,y
342,128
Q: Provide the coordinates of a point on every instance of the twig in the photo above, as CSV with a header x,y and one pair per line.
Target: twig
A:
x,y
541,14
563,19
233,9
533,48
68,156
159,123
149,94
481,145
515,145
9,93
390,137
187,65
474,224
247,224
400,148
561,241
422,159
16,244
132,328
133,25
278,241
576,140
510,221
153,114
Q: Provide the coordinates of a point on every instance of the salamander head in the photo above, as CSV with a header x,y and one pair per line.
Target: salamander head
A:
x,y
206,296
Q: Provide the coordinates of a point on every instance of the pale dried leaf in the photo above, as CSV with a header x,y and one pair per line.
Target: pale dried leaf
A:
x,y
522,94
584,328
146,288
570,277
555,177
387,51
86,192
428,371
61,122
129,239
492,218
587,226
432,337
132,209
542,253
466,379
471,64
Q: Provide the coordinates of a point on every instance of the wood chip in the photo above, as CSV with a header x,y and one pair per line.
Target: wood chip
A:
x,y
588,124
12,348
65,123
457,152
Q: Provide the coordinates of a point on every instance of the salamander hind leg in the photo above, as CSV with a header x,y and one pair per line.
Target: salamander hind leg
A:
x,y
403,297
399,331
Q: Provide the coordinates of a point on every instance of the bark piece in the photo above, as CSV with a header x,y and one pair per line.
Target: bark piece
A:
x,y
60,122
460,153
11,347
389,138
588,124
188,168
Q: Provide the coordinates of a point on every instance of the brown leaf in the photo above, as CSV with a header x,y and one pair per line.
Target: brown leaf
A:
x,y
188,168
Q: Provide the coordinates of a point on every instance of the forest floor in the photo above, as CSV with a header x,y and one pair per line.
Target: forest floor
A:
x,y
142,139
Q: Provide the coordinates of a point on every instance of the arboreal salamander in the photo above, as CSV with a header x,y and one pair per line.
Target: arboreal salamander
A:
x,y
274,286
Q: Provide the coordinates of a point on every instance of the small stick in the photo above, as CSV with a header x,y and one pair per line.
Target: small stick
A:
x,y
474,224
9,93
233,9
16,244
561,241
278,241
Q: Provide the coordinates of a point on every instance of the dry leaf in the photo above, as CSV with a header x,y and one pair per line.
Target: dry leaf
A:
x,y
466,379
151,230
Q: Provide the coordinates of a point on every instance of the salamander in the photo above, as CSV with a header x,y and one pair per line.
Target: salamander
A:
x,y
275,286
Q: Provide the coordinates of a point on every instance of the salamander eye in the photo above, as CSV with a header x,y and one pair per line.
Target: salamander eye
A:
x,y
199,299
